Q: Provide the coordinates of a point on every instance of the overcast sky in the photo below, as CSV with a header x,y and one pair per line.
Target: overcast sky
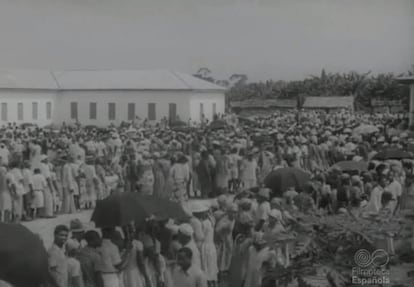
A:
x,y
278,39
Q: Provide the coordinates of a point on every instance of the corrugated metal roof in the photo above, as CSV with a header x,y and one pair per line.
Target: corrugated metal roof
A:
x,y
329,102
278,103
27,79
406,79
104,80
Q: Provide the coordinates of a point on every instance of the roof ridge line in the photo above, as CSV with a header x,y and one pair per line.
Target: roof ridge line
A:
x,y
181,79
52,73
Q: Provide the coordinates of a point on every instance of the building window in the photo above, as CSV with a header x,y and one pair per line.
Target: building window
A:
x,y
4,112
34,111
172,112
74,110
214,109
201,111
131,111
20,112
152,116
111,111
92,111
48,110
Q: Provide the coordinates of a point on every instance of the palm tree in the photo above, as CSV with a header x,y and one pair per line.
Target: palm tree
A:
x,y
238,79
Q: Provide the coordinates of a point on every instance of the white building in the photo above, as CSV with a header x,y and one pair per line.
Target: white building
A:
x,y
103,97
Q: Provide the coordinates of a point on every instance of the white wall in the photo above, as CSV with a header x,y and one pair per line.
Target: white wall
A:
x,y
27,97
121,98
207,99
188,105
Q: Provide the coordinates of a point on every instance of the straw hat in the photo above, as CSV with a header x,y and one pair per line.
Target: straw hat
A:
x,y
186,229
197,207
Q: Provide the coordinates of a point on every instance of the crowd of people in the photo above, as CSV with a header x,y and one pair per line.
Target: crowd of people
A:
x,y
46,172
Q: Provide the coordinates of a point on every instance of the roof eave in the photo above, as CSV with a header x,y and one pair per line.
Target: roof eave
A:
x,y
406,80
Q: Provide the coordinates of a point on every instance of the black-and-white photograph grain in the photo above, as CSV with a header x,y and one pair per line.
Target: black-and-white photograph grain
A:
x,y
206,143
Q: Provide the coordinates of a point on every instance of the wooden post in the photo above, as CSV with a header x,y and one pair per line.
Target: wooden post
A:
x,y
411,108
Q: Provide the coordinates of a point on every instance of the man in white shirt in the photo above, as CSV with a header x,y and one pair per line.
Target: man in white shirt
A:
x,y
186,274
185,237
112,263
395,189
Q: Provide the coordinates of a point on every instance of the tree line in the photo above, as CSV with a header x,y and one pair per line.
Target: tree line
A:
x,y
364,87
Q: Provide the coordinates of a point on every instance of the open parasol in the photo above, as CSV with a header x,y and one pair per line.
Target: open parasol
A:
x,y
282,179
217,124
161,208
392,154
118,210
23,258
121,209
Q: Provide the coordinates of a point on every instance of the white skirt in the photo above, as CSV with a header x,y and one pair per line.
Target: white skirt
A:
x,y
38,199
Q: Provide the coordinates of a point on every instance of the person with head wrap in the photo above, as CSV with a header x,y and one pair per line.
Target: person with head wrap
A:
x,y
185,238
274,225
204,238
75,277
223,237
374,204
259,256
154,263
263,208
249,169
146,180
180,176
222,204
242,242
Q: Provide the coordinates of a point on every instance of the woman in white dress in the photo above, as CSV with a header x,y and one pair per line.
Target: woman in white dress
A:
x,y
132,274
204,237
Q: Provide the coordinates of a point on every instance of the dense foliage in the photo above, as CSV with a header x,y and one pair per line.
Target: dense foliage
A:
x,y
326,245
363,86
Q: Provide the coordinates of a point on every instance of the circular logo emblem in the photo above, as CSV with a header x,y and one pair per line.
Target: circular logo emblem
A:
x,y
380,257
363,258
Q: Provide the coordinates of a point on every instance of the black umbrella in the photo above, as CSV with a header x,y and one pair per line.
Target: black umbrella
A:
x,y
118,210
217,124
392,154
23,258
161,208
282,179
121,209
178,123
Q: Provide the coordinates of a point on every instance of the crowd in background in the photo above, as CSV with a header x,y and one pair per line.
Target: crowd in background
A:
x,y
46,172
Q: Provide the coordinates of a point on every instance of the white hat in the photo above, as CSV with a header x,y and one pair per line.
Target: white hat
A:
x,y
198,207
186,229
276,214
43,157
